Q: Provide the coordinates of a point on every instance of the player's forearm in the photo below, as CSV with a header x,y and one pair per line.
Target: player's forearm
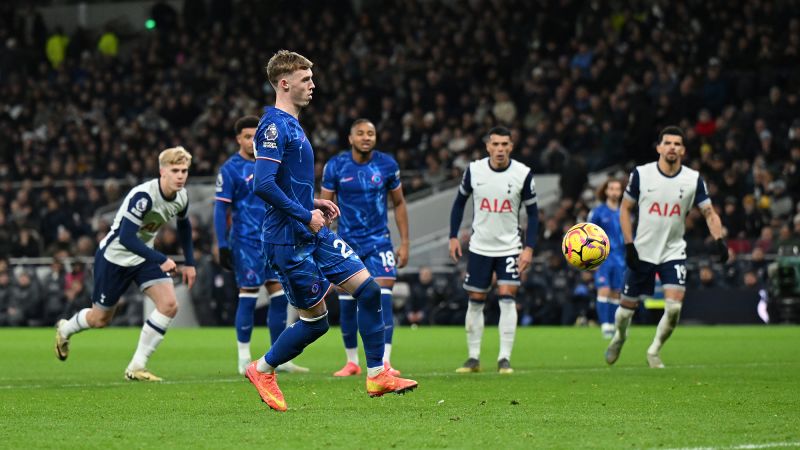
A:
x,y
267,189
401,218
714,225
185,237
457,214
221,222
532,233
129,240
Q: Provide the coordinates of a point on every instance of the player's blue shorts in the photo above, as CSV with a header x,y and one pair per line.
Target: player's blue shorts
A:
x,y
642,281
378,257
111,280
610,274
307,270
480,269
249,265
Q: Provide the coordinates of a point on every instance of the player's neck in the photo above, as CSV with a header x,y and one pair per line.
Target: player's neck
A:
x,y
667,168
165,190
499,167
286,105
361,158
612,205
246,155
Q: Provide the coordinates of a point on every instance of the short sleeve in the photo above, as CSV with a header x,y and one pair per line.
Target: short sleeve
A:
x,y
701,197
139,205
529,190
270,140
393,178
329,176
466,183
225,187
632,190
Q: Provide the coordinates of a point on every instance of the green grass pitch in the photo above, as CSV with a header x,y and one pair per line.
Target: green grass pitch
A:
x,y
724,387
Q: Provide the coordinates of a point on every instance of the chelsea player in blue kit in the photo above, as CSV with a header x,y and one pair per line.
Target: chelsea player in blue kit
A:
x,y
361,178
306,255
608,278
240,247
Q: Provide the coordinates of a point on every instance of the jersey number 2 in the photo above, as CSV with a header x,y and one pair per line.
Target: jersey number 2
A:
x,y
346,252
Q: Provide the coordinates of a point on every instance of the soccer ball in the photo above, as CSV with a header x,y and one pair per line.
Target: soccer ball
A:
x,y
585,246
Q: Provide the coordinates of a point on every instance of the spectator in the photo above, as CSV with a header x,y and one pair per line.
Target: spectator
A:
x,y
425,293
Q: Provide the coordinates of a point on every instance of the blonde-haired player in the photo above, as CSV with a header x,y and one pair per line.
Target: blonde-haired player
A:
x,y
663,191
126,255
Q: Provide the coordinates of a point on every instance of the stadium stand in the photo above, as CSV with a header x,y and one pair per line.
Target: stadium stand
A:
x,y
583,86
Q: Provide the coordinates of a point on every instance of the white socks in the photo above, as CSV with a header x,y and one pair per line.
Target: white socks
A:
x,y
474,325
75,324
352,355
507,326
387,352
672,312
263,367
152,334
244,350
622,319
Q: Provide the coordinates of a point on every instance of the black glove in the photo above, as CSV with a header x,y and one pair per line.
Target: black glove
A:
x,y
226,258
722,250
631,256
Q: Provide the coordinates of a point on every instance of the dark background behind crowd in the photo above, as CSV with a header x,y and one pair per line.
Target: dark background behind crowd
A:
x,y
583,86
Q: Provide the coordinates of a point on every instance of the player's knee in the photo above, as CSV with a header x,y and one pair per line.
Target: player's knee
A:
x,y
168,308
99,320
368,289
318,325
672,308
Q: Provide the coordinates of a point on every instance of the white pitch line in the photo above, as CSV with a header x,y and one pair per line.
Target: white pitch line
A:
x,y
743,446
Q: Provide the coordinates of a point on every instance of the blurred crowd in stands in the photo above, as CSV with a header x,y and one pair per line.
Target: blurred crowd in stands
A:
x,y
582,85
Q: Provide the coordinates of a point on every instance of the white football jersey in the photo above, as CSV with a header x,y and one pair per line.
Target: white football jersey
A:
x,y
497,199
145,206
663,204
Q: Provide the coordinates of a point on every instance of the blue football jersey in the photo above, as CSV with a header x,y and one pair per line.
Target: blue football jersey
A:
x,y
362,190
280,139
608,219
235,186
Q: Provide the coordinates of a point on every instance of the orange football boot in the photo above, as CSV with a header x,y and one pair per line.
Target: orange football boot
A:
x,y
384,383
348,370
267,386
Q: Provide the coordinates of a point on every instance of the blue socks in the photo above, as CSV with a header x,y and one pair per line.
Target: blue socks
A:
x,y
370,321
388,314
348,320
244,316
276,315
602,307
295,338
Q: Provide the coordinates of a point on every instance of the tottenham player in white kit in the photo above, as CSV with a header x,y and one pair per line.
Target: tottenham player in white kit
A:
x,y
500,186
126,254
663,191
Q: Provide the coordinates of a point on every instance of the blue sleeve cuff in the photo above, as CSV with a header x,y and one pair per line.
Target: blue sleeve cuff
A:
x,y
185,236
532,233
221,222
457,214
129,240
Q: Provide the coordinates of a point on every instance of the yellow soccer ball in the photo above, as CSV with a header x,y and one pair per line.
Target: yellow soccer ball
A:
x,y
585,246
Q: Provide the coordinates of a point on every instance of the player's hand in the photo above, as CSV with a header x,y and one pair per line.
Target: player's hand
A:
x,y
455,249
328,207
226,258
317,221
722,250
189,275
524,260
402,255
631,256
169,267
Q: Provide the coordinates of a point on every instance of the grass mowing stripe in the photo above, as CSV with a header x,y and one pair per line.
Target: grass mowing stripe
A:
x,y
743,446
723,386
